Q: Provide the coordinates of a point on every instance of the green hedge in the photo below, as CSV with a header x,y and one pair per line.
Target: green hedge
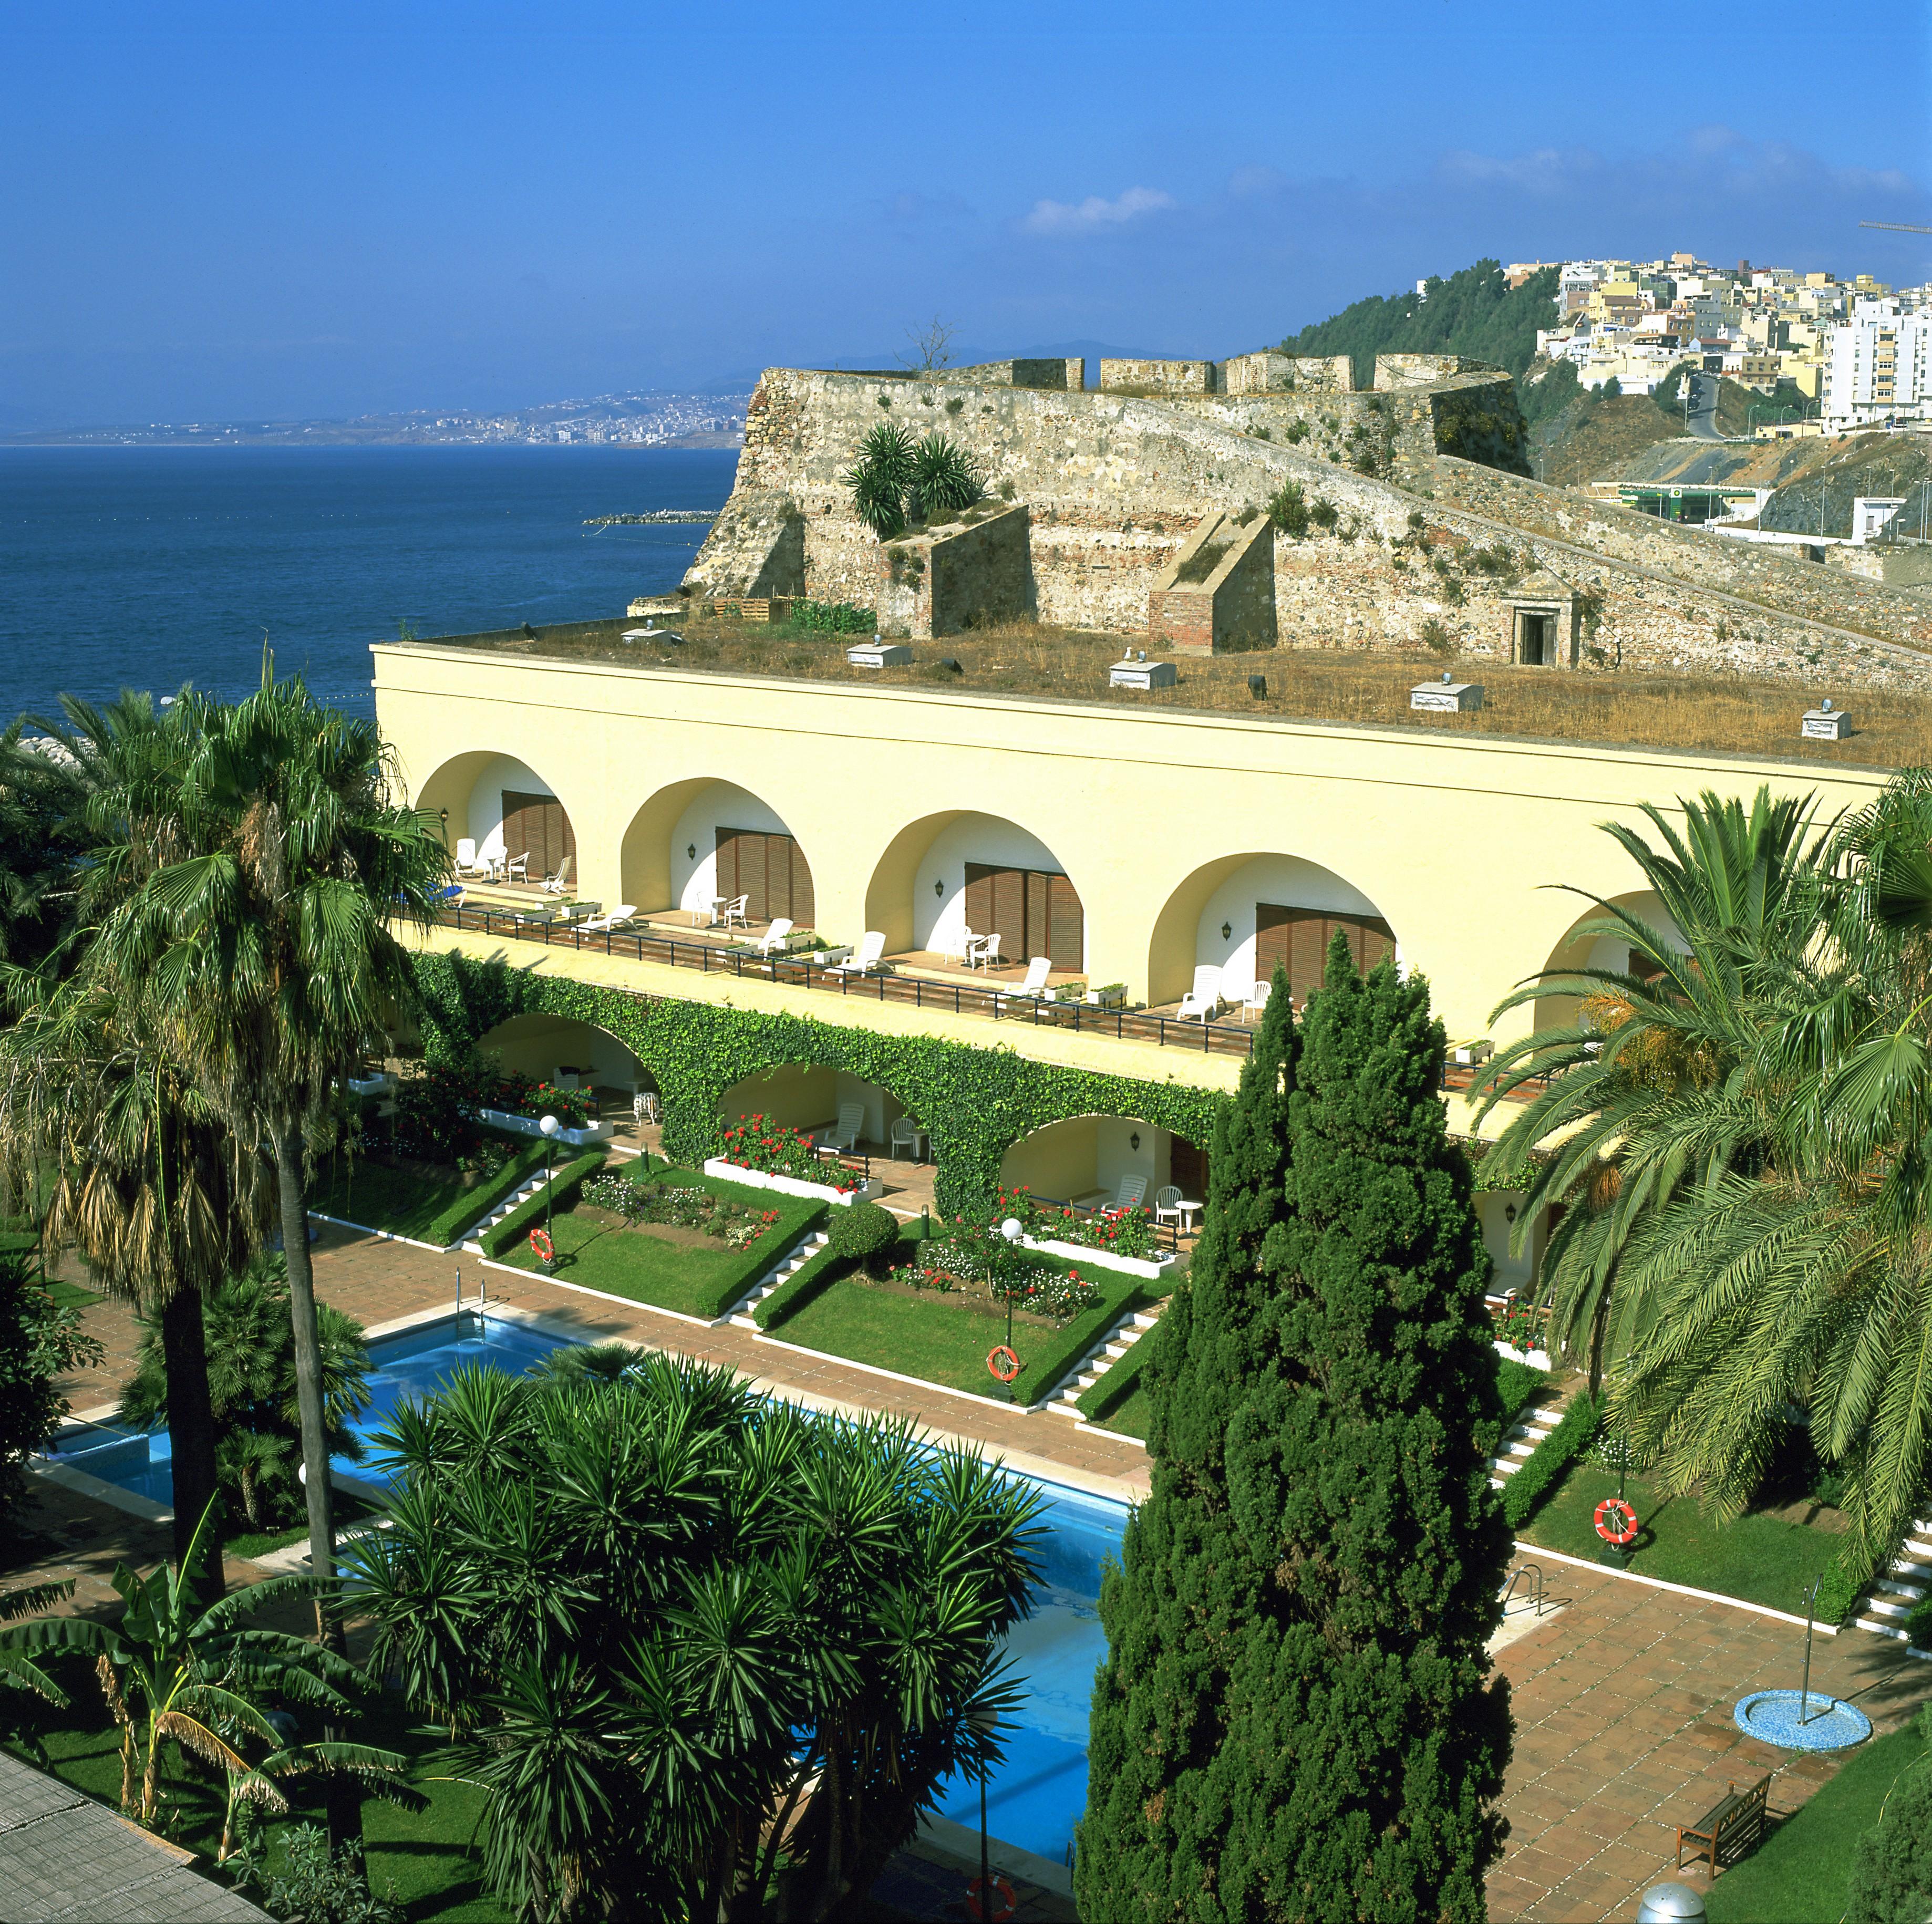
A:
x,y
1120,1382
1549,1461
445,1227
1120,1296
558,1191
974,1103
811,1279
1520,1386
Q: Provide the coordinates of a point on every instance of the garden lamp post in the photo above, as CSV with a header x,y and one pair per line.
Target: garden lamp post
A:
x,y
984,1721
550,1126
1011,1229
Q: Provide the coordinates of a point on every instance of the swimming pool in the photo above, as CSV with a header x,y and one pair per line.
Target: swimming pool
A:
x,y
1035,1797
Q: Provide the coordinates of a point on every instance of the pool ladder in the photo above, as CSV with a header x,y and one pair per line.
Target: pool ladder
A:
x,y
1537,1592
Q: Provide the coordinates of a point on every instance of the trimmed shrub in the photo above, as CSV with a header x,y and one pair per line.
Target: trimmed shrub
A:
x,y
1518,1385
1550,1460
527,1215
1891,1875
866,1234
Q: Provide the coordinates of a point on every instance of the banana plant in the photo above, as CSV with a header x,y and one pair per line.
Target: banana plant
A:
x,y
174,1673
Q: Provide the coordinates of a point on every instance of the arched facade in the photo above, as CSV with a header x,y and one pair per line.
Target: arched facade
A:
x,y
568,1053
810,1095
1578,950
503,806
1084,1159
705,838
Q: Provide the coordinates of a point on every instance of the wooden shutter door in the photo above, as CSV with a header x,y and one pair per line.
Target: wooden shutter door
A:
x,y
1065,926
1187,1168
1033,937
978,898
1378,941
536,825
1271,927
1009,911
747,862
804,909
1307,951
777,877
727,882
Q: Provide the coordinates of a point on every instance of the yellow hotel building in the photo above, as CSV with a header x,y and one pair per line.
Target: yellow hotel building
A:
x,y
1129,845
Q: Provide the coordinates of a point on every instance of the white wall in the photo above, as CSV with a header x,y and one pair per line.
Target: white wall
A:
x,y
693,879
1287,881
1509,1272
939,918
1071,1158
541,1045
486,801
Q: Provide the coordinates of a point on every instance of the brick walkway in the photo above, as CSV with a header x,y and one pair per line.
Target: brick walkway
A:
x,y
1622,1700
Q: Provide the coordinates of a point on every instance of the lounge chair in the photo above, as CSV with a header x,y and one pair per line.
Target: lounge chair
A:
x,y
738,910
1203,1001
772,942
983,951
866,959
621,917
556,885
1034,987
844,1133
1129,1196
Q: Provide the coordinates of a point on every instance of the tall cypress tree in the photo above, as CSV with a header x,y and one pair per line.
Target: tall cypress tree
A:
x,y
1323,1586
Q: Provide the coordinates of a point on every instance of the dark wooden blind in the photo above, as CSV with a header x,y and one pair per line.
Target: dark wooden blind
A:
x,y
1187,1169
770,870
1297,939
536,826
1034,911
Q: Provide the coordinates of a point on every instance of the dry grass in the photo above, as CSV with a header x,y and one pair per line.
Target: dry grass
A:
x,y
1726,715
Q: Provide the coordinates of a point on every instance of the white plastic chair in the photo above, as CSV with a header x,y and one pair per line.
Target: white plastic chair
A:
x,y
467,863
907,1133
866,959
518,869
1203,1001
1034,986
1256,1001
772,942
644,1106
621,917
1167,1206
556,885
735,911
844,1133
982,951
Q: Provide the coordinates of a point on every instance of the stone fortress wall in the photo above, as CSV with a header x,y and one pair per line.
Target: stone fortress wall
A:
x,y
1426,550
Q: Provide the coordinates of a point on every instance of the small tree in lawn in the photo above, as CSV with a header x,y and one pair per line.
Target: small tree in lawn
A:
x,y
1188,1589
1324,1687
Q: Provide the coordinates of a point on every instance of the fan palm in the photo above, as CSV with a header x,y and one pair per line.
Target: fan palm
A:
x,y
269,871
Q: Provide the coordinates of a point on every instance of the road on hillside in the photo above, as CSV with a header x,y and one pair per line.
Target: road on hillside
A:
x,y
1702,417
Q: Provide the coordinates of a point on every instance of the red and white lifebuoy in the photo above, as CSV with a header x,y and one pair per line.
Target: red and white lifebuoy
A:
x,y
1616,1522
540,1243
1002,1363
1004,1903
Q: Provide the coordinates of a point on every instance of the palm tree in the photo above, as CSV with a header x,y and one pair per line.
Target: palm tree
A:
x,y
269,871
1763,1113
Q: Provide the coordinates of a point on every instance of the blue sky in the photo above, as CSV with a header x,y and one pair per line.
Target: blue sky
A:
x,y
227,211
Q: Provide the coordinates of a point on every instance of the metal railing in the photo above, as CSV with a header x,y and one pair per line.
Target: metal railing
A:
x,y
802,970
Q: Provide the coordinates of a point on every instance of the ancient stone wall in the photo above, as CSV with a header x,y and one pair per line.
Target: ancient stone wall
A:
x,y
955,577
1217,595
1162,377
1064,376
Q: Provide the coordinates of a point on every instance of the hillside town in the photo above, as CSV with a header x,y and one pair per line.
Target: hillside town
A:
x,y
1858,352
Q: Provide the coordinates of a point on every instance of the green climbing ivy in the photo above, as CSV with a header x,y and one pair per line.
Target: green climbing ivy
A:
x,y
974,1103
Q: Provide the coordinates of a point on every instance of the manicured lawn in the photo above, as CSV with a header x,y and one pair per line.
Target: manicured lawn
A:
x,y
944,1339
1761,1559
1129,1416
72,1296
410,1203
425,1856
1801,1873
697,1281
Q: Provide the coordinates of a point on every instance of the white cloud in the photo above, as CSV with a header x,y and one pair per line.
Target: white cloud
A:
x,y
1093,215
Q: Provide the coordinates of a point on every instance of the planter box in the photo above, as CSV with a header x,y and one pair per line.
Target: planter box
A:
x,y
822,1192
1102,1259
530,1125
371,1085
1537,1359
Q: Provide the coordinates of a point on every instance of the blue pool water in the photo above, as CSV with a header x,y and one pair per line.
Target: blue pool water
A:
x,y
1037,1793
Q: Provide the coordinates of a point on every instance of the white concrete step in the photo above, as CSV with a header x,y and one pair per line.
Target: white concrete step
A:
x,y
1520,1440
1894,1609
1887,1587
775,1278
1098,1361
515,1200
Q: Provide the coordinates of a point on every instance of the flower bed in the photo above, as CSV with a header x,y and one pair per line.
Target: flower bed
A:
x,y
843,1187
1039,1289
441,1114
1125,1239
770,1148
681,1206
533,1125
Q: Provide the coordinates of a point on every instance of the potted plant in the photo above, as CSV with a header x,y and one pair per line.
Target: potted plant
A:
x,y
1112,995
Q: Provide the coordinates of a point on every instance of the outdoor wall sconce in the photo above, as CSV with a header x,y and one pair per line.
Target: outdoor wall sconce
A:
x,y
939,888
1134,1140
690,852
445,828
1227,931
1509,1212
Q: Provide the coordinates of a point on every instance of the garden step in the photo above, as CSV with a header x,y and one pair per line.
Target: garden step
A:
x,y
515,1200
1102,1358
1914,1591
775,1279
1896,1610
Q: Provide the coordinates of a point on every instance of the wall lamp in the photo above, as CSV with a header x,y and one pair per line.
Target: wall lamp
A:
x,y
1509,1212
691,852
1227,931
939,888
1134,1140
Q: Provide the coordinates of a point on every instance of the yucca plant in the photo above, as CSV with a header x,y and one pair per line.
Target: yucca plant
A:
x,y
897,481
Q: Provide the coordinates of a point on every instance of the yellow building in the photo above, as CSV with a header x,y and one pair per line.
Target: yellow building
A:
x,y
1124,845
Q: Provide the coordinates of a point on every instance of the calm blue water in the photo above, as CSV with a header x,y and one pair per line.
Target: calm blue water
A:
x,y
1035,1797
148,567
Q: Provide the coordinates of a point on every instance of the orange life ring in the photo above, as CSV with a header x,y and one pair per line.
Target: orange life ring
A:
x,y
1003,1362
1004,1902
540,1243
1616,1522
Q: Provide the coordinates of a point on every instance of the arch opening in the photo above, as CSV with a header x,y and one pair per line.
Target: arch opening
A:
x,y
502,819
1085,1159
960,874
572,1054
1577,950
1244,913
697,846
811,1096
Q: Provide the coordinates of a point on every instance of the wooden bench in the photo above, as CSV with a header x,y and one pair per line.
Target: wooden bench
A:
x,y
1728,1829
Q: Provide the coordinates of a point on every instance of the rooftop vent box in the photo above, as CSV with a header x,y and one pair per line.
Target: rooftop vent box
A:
x,y
1141,674
1447,697
1825,725
879,654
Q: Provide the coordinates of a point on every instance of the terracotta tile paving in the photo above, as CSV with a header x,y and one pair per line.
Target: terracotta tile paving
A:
x,y
1622,1700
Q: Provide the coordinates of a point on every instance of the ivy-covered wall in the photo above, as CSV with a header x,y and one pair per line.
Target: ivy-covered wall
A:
x,y
974,1103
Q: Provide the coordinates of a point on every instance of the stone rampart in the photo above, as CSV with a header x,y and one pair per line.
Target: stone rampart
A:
x,y
1216,596
961,575
1422,370
1117,484
1162,377
1065,376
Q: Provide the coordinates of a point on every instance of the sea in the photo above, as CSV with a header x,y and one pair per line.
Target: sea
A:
x,y
153,567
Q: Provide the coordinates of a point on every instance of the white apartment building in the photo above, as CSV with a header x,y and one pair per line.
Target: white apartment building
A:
x,y
1880,367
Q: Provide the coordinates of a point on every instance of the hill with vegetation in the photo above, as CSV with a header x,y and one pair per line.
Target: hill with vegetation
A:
x,y
1475,311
